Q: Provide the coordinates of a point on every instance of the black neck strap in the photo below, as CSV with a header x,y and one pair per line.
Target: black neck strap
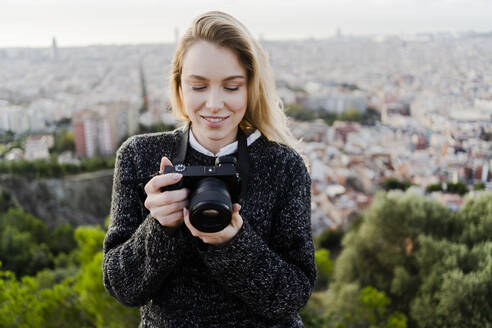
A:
x,y
243,157
182,146
243,160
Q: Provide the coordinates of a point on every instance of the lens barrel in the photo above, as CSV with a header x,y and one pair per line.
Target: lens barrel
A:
x,y
210,205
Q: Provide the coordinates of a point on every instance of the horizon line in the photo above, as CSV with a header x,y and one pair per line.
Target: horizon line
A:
x,y
261,38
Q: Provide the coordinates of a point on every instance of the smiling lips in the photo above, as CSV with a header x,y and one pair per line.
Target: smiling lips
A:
x,y
214,119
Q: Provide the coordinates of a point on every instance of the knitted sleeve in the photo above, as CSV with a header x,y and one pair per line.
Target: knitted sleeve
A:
x,y
138,252
276,281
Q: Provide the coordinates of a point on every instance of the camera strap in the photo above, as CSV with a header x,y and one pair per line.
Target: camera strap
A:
x,y
243,159
242,150
183,146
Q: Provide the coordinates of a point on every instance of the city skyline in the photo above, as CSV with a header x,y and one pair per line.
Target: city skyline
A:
x,y
28,23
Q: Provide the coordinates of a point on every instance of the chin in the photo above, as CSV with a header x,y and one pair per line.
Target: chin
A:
x,y
217,136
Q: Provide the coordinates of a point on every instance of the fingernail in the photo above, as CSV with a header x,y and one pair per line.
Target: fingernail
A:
x,y
177,176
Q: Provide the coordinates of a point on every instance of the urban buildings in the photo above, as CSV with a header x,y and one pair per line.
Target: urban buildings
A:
x,y
434,93
97,131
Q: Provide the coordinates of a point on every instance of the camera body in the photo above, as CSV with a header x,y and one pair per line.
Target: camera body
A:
x,y
213,190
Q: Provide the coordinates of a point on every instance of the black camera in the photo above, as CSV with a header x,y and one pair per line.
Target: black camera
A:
x,y
213,190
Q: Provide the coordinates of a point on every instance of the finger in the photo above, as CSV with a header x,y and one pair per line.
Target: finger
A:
x,y
186,219
150,201
164,162
172,219
162,180
166,198
173,196
171,208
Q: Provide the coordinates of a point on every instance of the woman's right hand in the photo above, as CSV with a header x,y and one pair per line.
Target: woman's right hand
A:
x,y
166,207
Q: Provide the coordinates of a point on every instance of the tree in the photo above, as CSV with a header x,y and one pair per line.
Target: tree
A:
x,y
66,296
352,114
23,247
94,300
28,246
366,308
393,183
434,265
25,303
330,239
479,186
298,112
6,201
454,188
457,288
434,187
324,268
62,239
475,220
64,141
314,314
457,188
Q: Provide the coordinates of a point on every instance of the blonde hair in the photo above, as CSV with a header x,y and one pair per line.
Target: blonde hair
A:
x,y
265,109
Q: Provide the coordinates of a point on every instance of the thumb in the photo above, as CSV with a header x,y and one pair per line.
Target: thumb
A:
x,y
237,220
164,162
236,208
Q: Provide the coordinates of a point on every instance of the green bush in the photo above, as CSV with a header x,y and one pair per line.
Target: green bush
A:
x,y
52,169
330,239
453,188
71,295
479,186
434,265
366,308
103,309
28,246
393,183
324,268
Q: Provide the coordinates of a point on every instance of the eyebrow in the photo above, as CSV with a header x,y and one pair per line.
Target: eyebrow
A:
x,y
198,77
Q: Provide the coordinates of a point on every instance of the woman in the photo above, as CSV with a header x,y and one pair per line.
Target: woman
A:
x,y
259,270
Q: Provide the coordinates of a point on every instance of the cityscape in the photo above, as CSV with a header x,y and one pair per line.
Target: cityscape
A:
x,y
431,94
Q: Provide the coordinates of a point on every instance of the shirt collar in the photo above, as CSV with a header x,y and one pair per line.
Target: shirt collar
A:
x,y
226,150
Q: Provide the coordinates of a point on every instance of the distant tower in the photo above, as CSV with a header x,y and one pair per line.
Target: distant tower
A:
x,y
145,101
485,173
54,49
339,33
384,114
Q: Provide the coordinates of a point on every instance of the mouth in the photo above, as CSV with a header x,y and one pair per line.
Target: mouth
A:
x,y
214,119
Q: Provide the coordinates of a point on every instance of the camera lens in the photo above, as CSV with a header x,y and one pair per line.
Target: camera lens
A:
x,y
210,205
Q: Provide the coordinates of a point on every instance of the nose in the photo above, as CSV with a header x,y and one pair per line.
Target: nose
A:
x,y
214,100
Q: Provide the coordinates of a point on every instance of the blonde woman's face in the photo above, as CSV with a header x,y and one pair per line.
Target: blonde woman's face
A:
x,y
214,93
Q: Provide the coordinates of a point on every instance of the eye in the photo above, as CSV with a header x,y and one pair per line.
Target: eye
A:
x,y
231,88
198,88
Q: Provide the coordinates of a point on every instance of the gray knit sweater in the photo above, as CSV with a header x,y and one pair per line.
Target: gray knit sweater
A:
x,y
261,278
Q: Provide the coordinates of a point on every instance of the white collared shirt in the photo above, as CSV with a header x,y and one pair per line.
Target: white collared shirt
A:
x,y
226,150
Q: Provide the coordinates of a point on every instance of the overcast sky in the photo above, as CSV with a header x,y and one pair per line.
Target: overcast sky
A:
x,y
85,22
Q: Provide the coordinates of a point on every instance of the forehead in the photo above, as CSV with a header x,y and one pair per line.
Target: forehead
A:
x,y
211,61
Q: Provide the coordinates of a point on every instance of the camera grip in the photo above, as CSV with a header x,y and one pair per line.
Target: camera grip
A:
x,y
178,185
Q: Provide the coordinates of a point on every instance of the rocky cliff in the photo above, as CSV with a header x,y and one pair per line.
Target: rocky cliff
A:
x,y
78,199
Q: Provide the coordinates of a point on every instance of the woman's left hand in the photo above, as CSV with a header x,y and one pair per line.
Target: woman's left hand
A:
x,y
220,238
